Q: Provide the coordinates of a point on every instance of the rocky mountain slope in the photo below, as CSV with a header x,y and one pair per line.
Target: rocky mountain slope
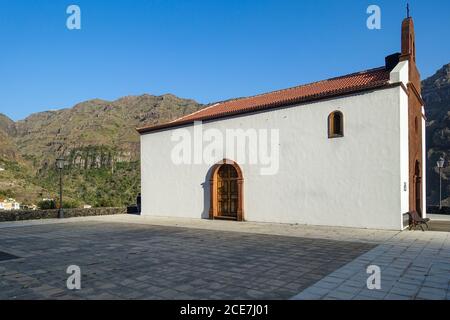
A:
x,y
8,148
15,173
436,94
96,123
98,140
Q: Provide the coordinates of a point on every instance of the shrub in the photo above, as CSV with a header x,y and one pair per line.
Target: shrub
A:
x,y
70,204
47,204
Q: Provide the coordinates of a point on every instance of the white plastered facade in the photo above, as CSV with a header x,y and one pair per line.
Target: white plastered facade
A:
x,y
359,180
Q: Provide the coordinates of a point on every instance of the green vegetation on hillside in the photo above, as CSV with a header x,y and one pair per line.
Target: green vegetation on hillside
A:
x,y
99,142
17,181
98,187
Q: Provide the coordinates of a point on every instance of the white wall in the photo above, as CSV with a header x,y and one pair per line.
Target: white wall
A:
x,y
404,153
355,181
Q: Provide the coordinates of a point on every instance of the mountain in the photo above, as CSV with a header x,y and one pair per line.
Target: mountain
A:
x,y
436,94
8,148
98,140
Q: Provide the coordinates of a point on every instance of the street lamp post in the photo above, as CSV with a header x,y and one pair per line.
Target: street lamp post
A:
x,y
440,165
60,165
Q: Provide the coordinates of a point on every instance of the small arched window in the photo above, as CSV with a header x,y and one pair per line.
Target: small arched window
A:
x,y
336,125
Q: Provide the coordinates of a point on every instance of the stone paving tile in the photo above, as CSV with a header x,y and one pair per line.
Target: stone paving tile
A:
x,y
142,261
339,295
432,293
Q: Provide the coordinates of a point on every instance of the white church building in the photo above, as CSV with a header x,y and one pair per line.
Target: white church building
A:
x,y
347,151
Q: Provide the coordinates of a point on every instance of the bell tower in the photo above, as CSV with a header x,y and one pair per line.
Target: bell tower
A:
x,y
409,52
416,118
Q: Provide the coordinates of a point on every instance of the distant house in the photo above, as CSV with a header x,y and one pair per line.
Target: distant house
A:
x,y
87,206
2,169
29,207
9,204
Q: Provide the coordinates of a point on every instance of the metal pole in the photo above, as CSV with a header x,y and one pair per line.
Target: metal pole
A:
x,y
440,189
60,212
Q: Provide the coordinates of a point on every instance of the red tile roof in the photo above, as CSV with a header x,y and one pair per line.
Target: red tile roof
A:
x,y
354,82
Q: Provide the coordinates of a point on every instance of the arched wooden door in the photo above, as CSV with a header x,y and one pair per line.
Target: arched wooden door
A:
x,y
226,192
418,188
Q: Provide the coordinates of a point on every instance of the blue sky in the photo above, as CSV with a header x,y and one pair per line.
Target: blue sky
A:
x,y
204,50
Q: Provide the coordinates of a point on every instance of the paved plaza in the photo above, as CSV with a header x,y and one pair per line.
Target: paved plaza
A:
x,y
132,257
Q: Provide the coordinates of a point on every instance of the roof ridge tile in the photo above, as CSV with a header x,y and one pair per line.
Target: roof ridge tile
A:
x,y
353,82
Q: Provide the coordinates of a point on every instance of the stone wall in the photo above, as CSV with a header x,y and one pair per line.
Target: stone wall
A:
x,y
49,214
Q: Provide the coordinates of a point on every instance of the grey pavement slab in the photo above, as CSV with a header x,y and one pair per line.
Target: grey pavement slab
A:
x,y
121,260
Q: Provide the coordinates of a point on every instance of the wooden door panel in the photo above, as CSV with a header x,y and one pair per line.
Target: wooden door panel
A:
x,y
227,191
